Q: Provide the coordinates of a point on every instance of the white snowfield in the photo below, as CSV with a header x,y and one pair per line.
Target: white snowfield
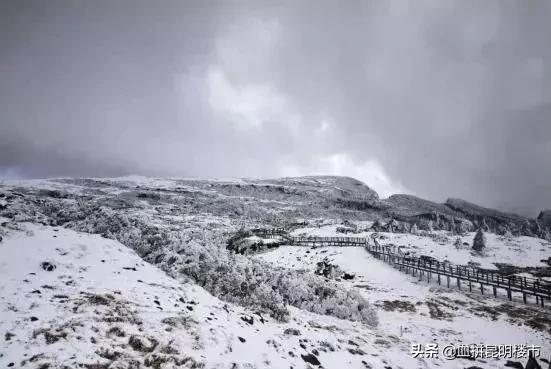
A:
x,y
104,305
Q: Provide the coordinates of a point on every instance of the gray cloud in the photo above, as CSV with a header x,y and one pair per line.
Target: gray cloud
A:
x,y
438,98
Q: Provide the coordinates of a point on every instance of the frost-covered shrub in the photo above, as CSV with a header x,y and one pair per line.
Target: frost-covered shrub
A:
x,y
238,279
192,250
458,243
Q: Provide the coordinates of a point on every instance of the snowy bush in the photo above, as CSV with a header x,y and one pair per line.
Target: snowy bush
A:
x,y
458,243
192,250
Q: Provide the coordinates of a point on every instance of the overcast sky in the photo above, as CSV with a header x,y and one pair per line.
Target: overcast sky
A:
x,y
435,98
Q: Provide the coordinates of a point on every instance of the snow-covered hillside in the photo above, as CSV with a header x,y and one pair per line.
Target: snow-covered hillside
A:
x,y
135,272
418,312
70,299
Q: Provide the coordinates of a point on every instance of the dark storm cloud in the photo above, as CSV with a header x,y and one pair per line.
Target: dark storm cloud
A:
x,y
439,98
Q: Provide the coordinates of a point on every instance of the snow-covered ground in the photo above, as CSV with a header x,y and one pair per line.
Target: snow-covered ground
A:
x,y
416,311
102,304
138,302
520,251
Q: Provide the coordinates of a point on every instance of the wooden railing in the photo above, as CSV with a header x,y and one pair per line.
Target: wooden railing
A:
x,y
426,267
328,241
269,231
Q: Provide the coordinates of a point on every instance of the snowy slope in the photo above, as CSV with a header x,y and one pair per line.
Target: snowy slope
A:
x,y
520,251
137,297
419,312
103,304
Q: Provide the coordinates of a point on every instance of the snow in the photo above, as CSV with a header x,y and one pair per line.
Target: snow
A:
x,y
100,286
89,268
520,251
379,282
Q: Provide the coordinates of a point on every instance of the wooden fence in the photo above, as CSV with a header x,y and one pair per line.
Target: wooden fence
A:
x,y
327,241
429,268
468,276
270,232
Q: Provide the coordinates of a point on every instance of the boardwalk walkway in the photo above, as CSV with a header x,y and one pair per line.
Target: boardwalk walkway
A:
x,y
443,272
463,276
328,241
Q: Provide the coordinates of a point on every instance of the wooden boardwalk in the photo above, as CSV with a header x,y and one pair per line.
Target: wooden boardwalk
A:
x,y
463,276
328,241
270,232
429,268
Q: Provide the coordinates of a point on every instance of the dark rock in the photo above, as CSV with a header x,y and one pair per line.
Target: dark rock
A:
x,y
514,364
347,276
51,337
108,354
248,320
142,344
291,332
356,351
47,266
310,359
116,331
241,339
261,318
34,319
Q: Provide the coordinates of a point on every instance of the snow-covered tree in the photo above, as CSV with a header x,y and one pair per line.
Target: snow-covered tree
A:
x,y
479,241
